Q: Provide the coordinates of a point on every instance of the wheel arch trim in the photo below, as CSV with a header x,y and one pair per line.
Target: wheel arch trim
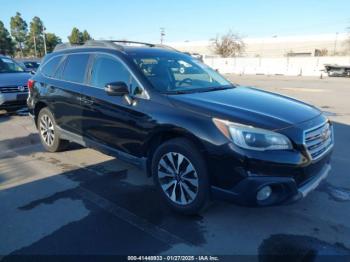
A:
x,y
163,134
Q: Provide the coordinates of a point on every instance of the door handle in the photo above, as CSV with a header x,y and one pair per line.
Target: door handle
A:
x,y
86,101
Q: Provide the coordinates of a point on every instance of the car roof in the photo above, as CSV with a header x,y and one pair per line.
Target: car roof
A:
x,y
125,47
3,56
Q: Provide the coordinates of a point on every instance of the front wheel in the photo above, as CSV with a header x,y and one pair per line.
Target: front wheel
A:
x,y
181,176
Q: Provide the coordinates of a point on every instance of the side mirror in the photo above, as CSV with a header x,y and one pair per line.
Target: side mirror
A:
x,y
117,89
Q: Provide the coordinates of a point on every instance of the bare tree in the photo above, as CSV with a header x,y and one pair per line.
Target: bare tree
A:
x,y
228,45
321,52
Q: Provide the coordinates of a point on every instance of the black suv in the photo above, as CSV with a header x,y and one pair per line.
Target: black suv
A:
x,y
198,135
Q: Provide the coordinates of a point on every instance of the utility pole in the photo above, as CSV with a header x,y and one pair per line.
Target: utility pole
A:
x,y
335,43
162,34
44,37
35,53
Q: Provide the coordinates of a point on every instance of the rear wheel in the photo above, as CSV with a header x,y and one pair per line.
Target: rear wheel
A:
x,y
181,177
48,132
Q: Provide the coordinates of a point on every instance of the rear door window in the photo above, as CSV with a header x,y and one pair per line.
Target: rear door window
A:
x,y
75,68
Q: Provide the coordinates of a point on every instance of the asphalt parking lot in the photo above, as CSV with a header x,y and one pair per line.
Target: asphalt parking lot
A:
x,y
83,202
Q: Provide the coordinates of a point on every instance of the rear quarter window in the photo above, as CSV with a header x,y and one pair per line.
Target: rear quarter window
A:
x,y
50,67
75,68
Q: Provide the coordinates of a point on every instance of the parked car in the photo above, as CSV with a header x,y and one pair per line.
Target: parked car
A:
x,y
194,132
13,84
30,65
337,70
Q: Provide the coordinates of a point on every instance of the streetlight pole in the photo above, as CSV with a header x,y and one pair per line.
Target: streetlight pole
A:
x,y
44,37
162,34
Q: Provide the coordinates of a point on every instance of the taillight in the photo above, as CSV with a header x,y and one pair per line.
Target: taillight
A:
x,y
30,84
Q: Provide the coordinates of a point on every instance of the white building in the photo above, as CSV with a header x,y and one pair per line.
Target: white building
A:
x,y
276,46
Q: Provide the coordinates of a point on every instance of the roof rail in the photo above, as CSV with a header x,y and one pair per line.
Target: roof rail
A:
x,y
89,43
63,46
167,47
103,43
143,43
131,42
114,44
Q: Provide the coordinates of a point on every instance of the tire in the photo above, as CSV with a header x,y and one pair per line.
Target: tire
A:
x,y
49,136
185,186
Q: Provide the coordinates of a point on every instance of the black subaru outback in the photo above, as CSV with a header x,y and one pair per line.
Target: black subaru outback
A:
x,y
198,135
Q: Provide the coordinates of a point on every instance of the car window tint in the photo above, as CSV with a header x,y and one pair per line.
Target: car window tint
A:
x,y
50,67
107,70
75,67
59,70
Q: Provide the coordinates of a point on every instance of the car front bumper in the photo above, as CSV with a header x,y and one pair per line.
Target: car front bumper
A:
x,y
8,100
284,189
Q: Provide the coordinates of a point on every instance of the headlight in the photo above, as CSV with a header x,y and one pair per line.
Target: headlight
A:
x,y
252,138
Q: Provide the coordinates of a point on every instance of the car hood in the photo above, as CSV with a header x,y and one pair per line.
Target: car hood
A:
x,y
248,106
14,79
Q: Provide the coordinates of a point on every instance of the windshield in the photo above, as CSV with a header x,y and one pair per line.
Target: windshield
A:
x,y
7,65
178,73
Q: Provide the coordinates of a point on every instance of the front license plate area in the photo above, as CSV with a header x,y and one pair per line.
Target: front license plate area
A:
x,y
22,97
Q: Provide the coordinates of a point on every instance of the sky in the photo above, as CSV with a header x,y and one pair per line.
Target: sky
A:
x,y
183,20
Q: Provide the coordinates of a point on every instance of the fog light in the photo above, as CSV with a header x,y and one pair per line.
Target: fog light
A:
x,y
264,193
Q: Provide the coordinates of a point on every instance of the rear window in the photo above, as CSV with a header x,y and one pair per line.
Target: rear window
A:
x,y
50,67
75,68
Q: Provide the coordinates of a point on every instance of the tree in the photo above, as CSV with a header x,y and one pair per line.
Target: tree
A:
x,y
228,45
77,37
86,36
19,30
321,52
35,38
7,46
51,41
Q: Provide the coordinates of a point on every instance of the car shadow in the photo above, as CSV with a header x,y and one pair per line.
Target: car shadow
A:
x,y
4,116
113,188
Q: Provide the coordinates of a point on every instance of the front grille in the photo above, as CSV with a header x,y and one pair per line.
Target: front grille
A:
x,y
13,89
319,140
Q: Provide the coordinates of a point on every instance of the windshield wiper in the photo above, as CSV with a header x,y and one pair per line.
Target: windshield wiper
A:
x,y
220,88
198,90
217,88
179,92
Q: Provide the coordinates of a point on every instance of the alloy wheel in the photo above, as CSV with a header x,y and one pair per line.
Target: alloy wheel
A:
x,y
47,130
178,178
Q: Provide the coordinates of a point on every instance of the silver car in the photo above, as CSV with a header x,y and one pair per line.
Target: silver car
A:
x,y
13,84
